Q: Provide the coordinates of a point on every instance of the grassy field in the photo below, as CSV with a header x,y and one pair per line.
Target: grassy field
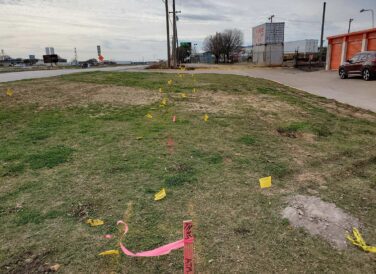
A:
x,y
80,146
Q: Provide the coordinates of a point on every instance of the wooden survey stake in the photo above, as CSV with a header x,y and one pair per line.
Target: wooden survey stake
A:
x,y
188,247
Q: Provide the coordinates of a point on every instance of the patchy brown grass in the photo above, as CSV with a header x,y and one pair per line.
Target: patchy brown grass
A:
x,y
116,159
57,93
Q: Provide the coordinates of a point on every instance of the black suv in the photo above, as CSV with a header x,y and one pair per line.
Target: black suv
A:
x,y
362,64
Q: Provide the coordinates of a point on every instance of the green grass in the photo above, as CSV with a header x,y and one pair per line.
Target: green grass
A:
x,y
61,165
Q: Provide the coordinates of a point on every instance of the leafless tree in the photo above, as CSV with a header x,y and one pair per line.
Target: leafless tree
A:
x,y
232,40
214,44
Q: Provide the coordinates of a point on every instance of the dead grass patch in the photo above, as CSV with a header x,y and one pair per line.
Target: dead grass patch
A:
x,y
223,102
28,263
348,111
46,94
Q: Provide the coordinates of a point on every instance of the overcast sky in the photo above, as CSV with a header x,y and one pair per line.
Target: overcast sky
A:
x,y
135,29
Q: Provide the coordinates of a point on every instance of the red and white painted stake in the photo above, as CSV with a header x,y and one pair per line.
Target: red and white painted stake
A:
x,y
188,247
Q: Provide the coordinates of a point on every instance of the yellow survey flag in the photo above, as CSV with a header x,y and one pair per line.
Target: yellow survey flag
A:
x,y
266,182
183,95
181,75
359,241
10,92
160,90
94,222
160,195
169,82
164,102
194,90
109,252
149,116
206,117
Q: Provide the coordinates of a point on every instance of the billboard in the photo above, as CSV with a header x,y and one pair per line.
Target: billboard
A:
x,y
268,33
187,45
50,58
258,35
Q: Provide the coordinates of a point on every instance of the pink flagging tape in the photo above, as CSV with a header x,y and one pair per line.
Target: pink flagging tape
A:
x,y
160,251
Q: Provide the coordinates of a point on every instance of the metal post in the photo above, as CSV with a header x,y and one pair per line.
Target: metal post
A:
x,y
168,35
322,33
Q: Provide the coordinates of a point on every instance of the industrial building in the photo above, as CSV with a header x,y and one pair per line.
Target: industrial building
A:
x,y
268,44
344,46
302,46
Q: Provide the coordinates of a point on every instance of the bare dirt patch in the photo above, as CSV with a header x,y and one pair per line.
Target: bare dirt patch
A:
x,y
320,218
57,93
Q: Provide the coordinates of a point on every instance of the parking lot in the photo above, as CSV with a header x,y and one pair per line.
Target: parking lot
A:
x,y
353,91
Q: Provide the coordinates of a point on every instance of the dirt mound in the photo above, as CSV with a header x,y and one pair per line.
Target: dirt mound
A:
x,y
320,218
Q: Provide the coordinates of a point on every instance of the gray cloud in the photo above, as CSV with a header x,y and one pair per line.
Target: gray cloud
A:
x,y
135,29
205,17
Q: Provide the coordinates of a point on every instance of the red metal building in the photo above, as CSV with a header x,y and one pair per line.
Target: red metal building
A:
x,y
343,47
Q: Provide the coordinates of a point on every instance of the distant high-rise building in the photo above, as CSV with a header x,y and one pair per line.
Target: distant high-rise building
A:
x,y
50,50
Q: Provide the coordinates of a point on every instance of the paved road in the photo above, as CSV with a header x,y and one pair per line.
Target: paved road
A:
x,y
355,92
15,76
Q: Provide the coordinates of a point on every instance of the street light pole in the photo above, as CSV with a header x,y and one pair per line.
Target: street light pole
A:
x,y
350,21
373,15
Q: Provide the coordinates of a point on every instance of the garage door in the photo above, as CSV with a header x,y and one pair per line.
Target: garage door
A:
x,y
372,44
372,41
335,60
354,46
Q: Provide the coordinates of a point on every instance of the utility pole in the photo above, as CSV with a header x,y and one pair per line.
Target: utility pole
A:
x,y
168,35
174,51
75,57
271,18
350,21
322,33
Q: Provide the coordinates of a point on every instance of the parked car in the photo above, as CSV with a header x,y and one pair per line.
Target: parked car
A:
x,y
361,64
